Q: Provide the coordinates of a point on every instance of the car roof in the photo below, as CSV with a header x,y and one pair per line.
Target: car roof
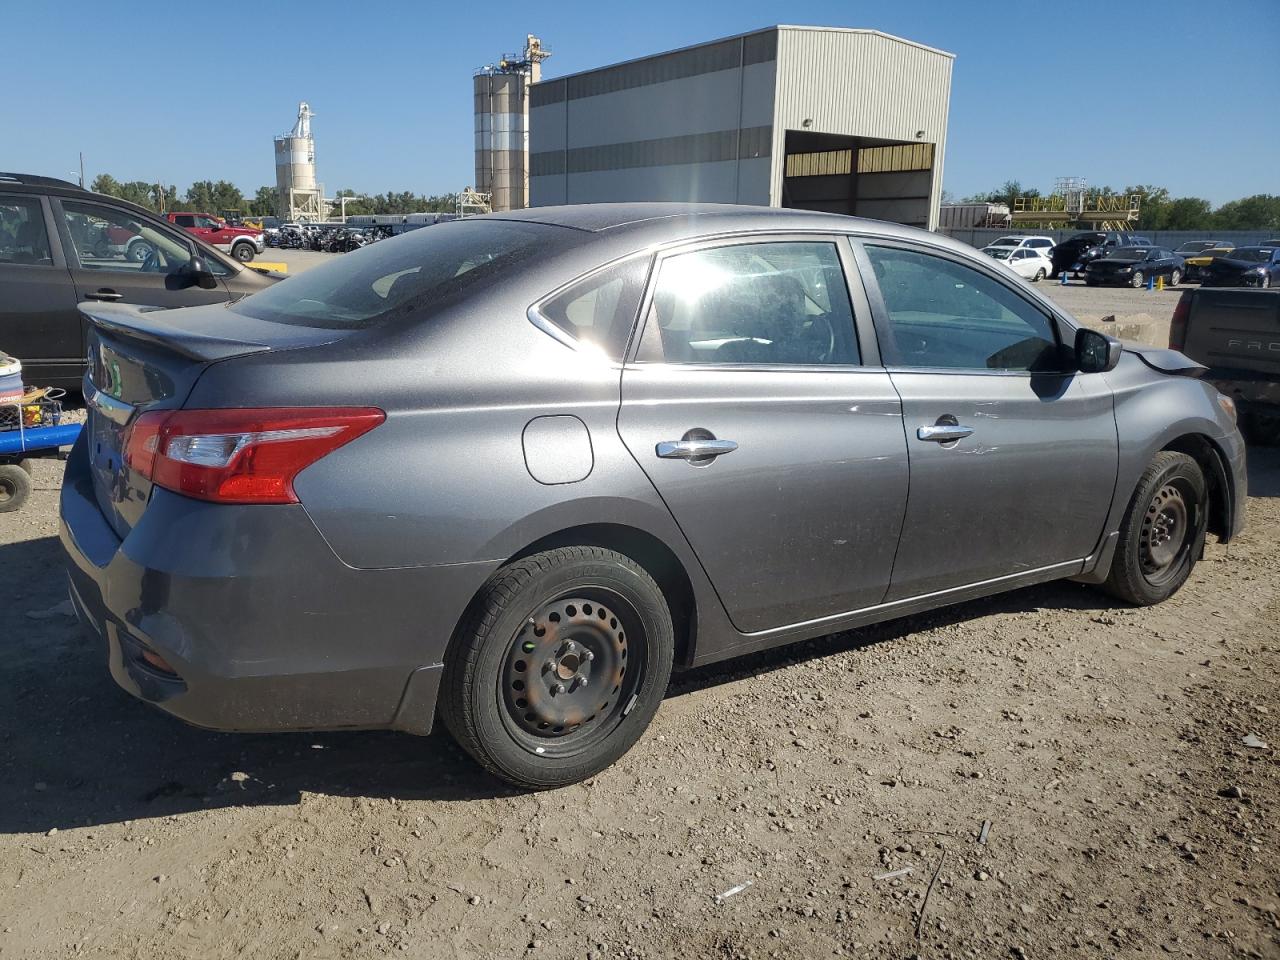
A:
x,y
658,222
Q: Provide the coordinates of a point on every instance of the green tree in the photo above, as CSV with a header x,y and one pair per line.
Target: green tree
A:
x,y
208,196
264,202
1258,212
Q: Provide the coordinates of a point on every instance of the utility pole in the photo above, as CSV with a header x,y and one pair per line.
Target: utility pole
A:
x,y
81,169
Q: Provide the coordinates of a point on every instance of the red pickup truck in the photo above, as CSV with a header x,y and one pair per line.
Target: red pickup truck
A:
x,y
241,242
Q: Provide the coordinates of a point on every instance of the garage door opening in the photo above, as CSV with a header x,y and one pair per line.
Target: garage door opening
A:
x,y
864,177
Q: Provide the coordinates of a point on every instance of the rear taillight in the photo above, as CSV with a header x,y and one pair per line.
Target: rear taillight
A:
x,y
240,456
1178,325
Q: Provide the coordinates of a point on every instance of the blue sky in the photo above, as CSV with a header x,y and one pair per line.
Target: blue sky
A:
x,y
1183,93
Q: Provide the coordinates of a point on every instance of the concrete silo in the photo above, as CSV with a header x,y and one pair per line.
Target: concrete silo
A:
x,y
502,126
299,196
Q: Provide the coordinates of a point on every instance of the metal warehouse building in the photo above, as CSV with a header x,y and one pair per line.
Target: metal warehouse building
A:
x,y
819,118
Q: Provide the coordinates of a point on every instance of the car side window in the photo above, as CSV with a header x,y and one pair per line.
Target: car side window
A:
x,y
23,237
184,220
600,309
943,314
753,303
107,238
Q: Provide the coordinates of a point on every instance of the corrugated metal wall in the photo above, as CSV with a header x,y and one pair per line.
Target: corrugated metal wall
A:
x,y
691,124
860,84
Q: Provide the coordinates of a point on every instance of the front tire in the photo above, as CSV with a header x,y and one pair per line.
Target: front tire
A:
x,y
243,252
559,666
1039,276
1175,278
1139,280
1162,534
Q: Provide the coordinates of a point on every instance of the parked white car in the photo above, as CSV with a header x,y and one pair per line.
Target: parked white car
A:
x,y
1029,264
1020,242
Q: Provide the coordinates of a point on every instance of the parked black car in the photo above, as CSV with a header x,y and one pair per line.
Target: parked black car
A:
x,y
1245,267
1133,266
1074,253
1193,248
61,244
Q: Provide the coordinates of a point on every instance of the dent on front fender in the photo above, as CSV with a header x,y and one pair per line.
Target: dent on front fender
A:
x,y
1156,411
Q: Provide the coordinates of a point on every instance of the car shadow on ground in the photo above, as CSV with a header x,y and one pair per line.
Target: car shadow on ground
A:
x,y
75,750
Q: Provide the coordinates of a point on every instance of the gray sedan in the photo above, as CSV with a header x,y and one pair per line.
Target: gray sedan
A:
x,y
511,470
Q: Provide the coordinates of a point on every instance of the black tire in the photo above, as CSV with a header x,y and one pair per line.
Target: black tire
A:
x,y
1039,276
1175,278
243,252
1139,280
1162,534
518,629
15,487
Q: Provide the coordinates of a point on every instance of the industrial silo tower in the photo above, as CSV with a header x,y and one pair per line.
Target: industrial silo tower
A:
x,y
502,126
299,196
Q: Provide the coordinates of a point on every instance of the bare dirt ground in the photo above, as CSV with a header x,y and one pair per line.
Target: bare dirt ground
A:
x,y
1103,744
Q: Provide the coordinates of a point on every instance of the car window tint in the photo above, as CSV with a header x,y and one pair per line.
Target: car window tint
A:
x,y
600,309
23,237
757,303
107,238
944,314
410,276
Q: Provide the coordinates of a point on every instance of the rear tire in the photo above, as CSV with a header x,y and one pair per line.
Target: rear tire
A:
x,y
1039,276
1175,278
558,666
1162,534
243,252
15,487
1139,280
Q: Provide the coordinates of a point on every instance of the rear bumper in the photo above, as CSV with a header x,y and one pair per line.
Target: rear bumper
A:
x,y
265,628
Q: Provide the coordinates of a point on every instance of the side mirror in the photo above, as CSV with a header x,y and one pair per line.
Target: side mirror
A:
x,y
198,272
1096,352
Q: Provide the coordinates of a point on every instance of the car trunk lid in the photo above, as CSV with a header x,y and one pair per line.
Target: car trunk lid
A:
x,y
147,358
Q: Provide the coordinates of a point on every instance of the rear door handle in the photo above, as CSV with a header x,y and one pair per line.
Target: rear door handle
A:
x,y
105,294
694,449
944,432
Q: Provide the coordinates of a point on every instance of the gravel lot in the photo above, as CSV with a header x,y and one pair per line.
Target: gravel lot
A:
x,y
1103,744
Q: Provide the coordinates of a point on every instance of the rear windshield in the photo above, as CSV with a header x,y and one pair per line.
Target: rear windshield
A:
x,y
415,273
1194,246
1252,254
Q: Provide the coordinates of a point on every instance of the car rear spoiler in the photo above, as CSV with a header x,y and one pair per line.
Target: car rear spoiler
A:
x,y
156,325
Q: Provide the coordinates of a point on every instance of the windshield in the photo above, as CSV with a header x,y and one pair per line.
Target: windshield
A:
x,y
1005,242
1252,254
1129,253
1193,246
417,271
1000,253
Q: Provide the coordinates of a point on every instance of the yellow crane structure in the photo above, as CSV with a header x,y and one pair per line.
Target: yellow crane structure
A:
x,y
1073,204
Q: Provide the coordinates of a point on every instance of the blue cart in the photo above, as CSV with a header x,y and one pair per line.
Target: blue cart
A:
x,y
28,430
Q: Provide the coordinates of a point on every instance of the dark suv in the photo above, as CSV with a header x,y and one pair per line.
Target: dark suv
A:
x,y
1083,248
61,244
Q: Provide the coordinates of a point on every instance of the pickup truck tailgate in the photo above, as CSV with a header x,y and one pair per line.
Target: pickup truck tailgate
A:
x,y
1235,329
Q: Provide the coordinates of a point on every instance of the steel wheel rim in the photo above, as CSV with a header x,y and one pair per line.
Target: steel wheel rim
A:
x,y
1166,533
7,490
1174,278
139,252
567,678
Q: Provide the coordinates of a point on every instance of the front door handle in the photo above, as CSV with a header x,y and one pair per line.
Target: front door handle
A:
x,y
105,294
701,450
944,432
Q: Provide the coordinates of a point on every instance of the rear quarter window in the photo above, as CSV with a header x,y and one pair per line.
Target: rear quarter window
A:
x,y
599,310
